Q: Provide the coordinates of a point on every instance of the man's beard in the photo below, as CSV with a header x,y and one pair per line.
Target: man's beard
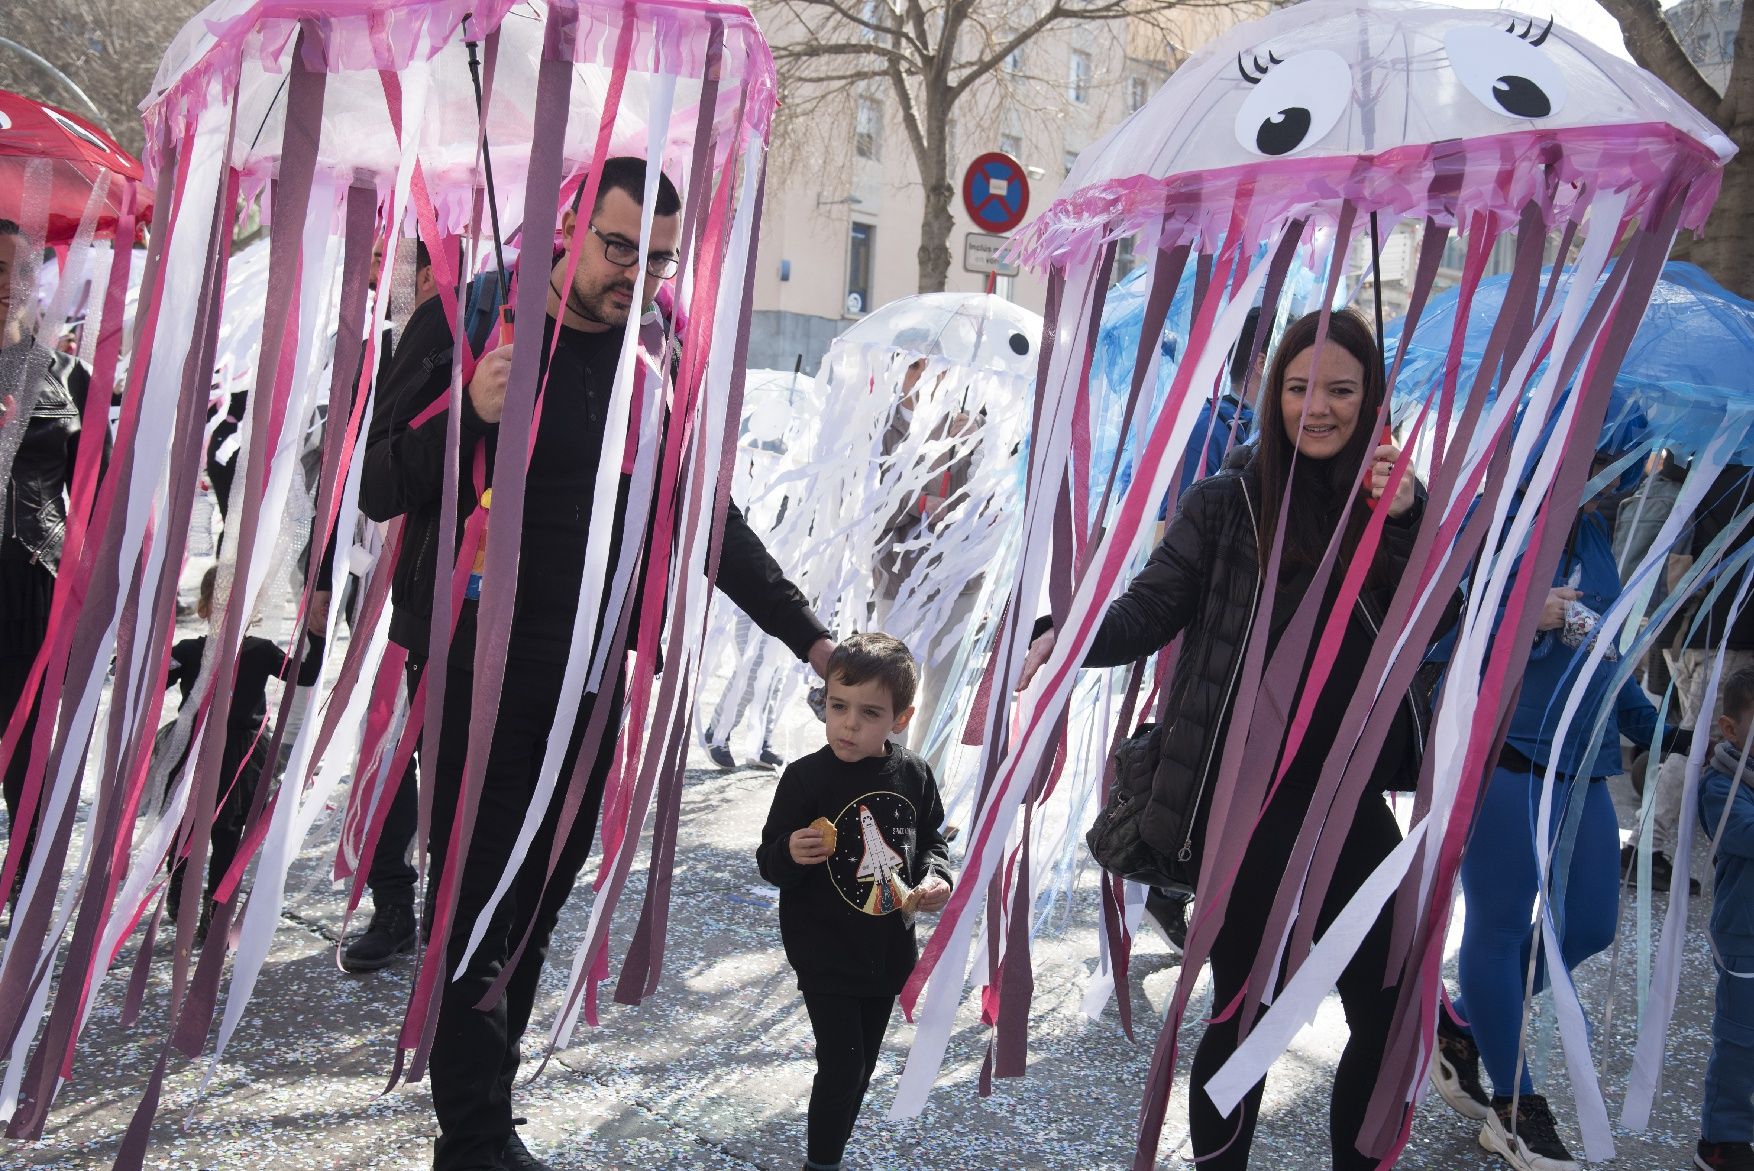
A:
x,y
599,306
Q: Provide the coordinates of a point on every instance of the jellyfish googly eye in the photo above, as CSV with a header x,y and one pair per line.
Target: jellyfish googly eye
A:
x,y
1295,101
1507,69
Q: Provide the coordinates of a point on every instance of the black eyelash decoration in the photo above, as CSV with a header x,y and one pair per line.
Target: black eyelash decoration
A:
x,y
1528,32
1260,69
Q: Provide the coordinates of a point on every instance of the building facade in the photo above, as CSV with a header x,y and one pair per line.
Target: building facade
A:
x,y
841,229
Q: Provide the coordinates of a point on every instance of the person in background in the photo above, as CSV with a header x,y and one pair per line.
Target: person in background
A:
x,y
247,736
1690,660
51,385
390,875
1726,814
1500,871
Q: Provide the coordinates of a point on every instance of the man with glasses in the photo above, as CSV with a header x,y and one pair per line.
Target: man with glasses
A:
x,y
475,1051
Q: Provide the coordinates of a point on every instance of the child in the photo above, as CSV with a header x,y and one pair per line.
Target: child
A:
x,y
853,842
1727,786
246,737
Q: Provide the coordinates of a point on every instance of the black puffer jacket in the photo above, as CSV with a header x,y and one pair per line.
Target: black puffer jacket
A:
x,y
1205,579
42,472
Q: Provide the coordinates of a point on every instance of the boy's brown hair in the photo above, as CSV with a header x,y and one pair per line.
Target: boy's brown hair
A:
x,y
865,657
1739,694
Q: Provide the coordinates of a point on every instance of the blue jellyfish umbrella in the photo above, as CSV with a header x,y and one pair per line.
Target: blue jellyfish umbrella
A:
x,y
1685,373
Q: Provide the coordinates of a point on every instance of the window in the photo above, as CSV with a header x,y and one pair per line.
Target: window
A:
x,y
1137,92
1013,59
1078,76
868,129
870,14
1729,45
1070,160
1126,258
861,248
1011,144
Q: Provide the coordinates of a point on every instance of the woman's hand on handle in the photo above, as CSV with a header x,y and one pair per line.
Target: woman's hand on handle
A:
x,y
1382,466
1039,650
1553,613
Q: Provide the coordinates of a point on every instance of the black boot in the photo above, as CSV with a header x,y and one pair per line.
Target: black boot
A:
x,y
390,933
517,1157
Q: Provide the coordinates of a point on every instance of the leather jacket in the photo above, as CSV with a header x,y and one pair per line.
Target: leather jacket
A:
x,y
42,472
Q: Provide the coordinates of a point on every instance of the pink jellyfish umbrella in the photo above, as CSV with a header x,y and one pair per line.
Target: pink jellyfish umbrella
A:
x,y
348,123
1296,131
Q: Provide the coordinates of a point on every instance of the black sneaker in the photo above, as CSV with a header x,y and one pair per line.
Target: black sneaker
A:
x,y
391,932
1168,913
517,1157
1662,871
771,759
1455,1071
1724,1156
1528,1142
721,756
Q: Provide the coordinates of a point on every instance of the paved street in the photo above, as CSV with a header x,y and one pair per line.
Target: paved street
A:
x,y
713,1072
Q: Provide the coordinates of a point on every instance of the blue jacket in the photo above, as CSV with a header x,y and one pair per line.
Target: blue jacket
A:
x,y
1732,906
1211,437
1553,669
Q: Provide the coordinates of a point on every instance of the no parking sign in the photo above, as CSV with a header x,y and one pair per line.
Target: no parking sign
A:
x,y
996,192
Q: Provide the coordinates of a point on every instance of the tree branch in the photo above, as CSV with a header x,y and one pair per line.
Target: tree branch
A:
x,y
850,17
1652,43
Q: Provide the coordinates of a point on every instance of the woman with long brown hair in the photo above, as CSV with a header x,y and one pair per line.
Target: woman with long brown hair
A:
x,y
1317,433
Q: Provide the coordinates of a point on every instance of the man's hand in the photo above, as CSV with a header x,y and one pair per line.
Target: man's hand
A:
x,y
819,653
808,848
934,894
1553,613
487,387
1039,650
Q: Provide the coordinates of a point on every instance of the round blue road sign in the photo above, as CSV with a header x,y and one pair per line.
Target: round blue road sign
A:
x,y
996,192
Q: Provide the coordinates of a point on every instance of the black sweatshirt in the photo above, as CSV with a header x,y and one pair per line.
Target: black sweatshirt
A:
x,y
258,661
403,475
842,930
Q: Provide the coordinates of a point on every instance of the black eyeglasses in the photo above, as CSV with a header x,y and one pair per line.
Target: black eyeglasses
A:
x,y
622,254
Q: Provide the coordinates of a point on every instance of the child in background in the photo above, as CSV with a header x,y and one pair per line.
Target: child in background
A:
x,y
1726,810
854,843
246,736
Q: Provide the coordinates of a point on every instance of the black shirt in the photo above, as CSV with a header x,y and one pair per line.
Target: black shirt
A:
x,y
403,475
258,661
842,928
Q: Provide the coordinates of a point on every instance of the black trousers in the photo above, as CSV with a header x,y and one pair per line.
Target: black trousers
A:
x,y
849,1034
240,774
14,671
475,1051
392,876
1369,1006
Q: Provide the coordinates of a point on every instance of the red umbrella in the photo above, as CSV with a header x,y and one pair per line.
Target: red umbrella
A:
x,y
78,154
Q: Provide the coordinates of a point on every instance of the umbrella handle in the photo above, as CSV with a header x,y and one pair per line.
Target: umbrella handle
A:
x,y
505,325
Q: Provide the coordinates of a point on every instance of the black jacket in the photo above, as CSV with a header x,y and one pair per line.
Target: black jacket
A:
x,y
842,929
403,475
42,471
1204,579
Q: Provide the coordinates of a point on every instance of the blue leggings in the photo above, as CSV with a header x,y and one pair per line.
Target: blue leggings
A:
x,y
1500,881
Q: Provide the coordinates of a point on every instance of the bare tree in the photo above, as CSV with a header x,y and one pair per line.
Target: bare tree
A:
x,y
108,49
931,56
1726,249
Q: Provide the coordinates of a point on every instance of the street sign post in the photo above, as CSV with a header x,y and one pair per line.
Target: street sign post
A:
x,y
980,253
996,192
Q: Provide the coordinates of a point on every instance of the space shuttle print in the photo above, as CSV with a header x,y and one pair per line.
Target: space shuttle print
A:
x,y
882,867
872,866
